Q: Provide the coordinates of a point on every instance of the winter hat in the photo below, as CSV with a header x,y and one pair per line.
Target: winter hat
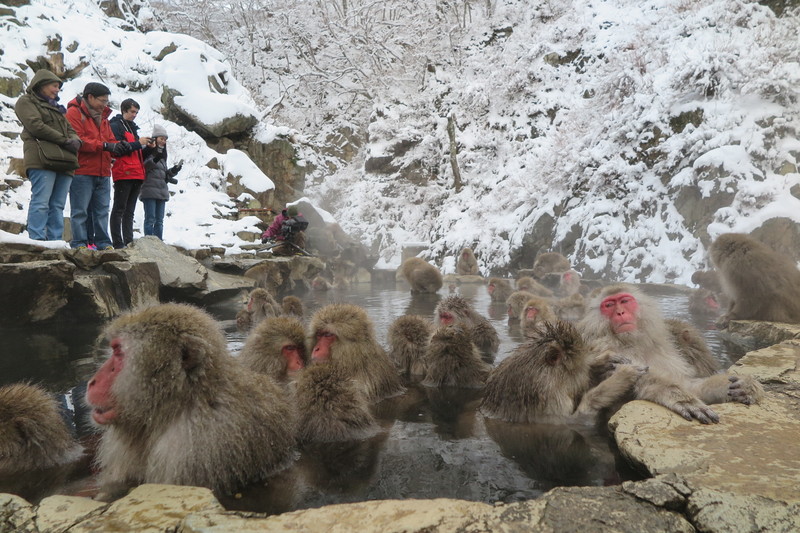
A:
x,y
95,89
159,131
291,211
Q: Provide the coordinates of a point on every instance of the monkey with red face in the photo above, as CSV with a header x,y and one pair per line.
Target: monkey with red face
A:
x,y
499,290
276,347
623,323
343,335
176,408
456,310
467,265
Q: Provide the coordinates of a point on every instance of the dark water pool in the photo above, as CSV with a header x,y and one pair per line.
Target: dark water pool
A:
x,y
433,444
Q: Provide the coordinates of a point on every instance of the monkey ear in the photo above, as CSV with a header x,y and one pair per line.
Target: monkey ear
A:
x,y
552,357
193,351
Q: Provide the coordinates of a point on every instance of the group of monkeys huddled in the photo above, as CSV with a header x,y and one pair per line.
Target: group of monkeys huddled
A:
x,y
175,406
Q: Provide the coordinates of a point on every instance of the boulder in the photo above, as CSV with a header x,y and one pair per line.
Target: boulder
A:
x,y
747,453
34,291
181,276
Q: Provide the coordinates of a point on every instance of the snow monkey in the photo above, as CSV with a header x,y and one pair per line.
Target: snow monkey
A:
x,y
276,347
260,305
453,360
421,275
499,289
33,434
549,377
176,408
467,265
549,262
535,311
292,306
622,322
456,310
760,283
343,335
408,339
516,302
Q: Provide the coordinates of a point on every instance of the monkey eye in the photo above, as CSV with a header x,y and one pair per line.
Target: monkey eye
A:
x,y
116,348
324,334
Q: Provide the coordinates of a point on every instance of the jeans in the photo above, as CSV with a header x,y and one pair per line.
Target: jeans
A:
x,y
90,194
154,216
126,192
46,211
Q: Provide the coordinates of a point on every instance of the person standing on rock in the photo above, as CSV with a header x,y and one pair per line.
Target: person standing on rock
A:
x,y
127,173
155,193
90,191
49,148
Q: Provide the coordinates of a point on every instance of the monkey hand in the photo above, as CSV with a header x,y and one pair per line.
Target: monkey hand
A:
x,y
744,389
723,321
692,408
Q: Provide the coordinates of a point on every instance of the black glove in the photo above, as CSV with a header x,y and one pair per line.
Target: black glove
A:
x,y
72,145
170,179
159,153
175,169
265,239
118,149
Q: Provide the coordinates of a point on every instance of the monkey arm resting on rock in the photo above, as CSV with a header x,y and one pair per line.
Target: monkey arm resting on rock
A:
x,y
623,322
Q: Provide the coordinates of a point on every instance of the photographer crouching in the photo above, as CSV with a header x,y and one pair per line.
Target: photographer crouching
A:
x,y
288,229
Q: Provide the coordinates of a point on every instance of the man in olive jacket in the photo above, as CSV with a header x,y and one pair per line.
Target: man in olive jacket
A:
x,y
49,148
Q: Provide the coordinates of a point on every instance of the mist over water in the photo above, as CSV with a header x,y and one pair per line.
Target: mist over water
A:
x,y
433,442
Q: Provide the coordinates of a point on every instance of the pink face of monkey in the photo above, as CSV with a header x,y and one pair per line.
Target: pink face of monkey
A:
x,y
98,390
621,310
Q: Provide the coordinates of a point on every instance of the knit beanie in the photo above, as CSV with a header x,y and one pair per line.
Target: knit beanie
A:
x,y
95,89
292,211
159,131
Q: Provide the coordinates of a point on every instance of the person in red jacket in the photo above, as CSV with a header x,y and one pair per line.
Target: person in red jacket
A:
x,y
90,191
127,172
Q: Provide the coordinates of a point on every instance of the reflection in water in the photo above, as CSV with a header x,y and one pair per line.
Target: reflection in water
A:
x,y
433,442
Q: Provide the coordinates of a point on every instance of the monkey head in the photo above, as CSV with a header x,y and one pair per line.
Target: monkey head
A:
x,y
621,309
285,336
558,345
450,310
258,296
338,324
158,355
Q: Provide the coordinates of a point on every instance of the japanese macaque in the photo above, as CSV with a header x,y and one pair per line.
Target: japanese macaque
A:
x,y
549,262
456,310
261,305
453,360
707,279
467,265
760,283
332,406
408,341
535,311
528,284
570,284
276,347
703,302
692,346
267,275
549,377
320,284
33,435
292,306
177,409
421,275
343,335
623,323
516,302
499,289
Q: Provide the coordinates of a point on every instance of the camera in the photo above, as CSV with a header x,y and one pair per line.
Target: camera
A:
x,y
292,226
